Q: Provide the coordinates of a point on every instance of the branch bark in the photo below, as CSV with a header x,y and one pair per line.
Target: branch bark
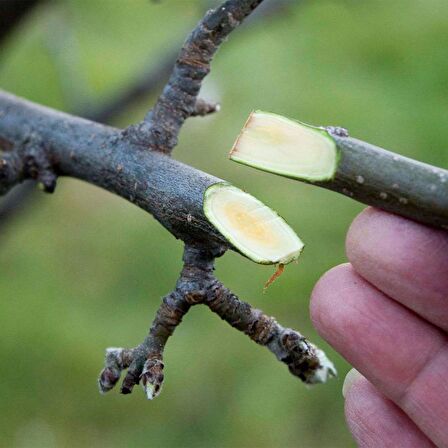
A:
x,y
162,124
170,190
148,81
41,143
386,180
197,285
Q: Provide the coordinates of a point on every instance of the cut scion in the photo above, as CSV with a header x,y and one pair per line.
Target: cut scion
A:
x,y
276,144
254,229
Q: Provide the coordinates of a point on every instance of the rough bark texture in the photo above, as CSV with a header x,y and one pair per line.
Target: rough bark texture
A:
x,y
148,81
386,180
197,285
40,143
170,190
177,102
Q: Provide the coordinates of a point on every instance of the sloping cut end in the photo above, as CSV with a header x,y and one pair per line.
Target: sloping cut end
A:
x,y
250,226
282,146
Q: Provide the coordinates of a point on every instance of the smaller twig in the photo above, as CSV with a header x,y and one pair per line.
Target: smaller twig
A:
x,y
160,128
117,359
145,362
197,285
303,359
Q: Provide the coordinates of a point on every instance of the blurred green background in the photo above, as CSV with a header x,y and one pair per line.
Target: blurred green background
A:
x,y
82,270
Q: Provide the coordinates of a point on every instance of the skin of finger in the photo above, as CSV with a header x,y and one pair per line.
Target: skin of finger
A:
x,y
375,421
406,260
405,357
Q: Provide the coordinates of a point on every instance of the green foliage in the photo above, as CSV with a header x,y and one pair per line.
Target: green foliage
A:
x,y
83,270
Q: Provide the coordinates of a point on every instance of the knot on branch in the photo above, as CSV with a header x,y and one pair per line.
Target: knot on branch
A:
x,y
28,159
337,131
37,164
203,108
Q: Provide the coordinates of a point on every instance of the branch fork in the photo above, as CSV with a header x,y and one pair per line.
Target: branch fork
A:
x,y
197,285
135,163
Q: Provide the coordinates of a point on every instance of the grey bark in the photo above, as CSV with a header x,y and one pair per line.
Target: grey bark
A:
x,y
389,181
41,144
170,190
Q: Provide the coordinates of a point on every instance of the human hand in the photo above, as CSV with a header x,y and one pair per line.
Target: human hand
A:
x,y
386,312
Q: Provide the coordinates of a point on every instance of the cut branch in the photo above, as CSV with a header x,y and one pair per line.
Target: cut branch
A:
x,y
40,143
174,193
329,158
170,190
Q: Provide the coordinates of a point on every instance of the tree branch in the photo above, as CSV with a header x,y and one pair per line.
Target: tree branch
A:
x,y
386,180
162,124
150,79
329,158
197,285
303,359
41,143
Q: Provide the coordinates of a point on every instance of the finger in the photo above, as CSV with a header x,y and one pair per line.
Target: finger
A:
x,y
405,260
405,357
376,421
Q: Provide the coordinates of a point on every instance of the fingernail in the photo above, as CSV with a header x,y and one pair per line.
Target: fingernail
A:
x,y
352,376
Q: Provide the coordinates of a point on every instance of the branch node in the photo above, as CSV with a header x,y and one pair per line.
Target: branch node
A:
x,y
337,131
203,108
37,164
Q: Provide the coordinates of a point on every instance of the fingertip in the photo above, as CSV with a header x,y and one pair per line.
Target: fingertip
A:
x,y
368,224
323,297
405,260
352,377
376,421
